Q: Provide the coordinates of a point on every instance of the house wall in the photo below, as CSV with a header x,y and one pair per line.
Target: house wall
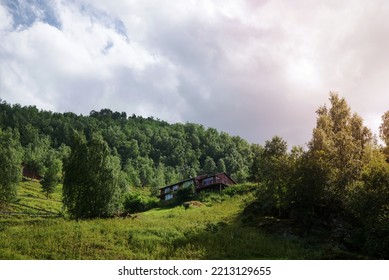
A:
x,y
168,192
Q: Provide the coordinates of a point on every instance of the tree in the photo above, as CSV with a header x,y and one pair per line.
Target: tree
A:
x,y
91,185
11,155
275,171
368,201
209,165
36,153
146,170
256,167
384,128
221,165
337,153
384,133
52,176
159,180
132,174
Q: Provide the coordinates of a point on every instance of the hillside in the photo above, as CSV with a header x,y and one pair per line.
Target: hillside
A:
x,y
151,151
212,231
327,200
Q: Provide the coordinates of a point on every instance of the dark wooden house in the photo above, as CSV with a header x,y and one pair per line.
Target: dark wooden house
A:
x,y
217,182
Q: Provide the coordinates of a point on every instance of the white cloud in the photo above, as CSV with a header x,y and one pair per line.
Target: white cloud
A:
x,y
5,20
253,68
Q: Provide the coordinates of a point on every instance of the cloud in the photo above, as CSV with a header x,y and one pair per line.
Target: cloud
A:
x,y
26,13
251,68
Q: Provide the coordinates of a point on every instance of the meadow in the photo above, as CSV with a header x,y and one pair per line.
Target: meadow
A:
x,y
213,230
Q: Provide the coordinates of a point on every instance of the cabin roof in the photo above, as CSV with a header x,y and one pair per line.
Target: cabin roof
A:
x,y
177,183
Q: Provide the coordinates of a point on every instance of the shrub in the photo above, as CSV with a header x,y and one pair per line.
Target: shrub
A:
x,y
136,202
186,194
240,189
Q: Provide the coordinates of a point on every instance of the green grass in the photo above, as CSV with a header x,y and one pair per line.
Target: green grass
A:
x,y
31,199
212,231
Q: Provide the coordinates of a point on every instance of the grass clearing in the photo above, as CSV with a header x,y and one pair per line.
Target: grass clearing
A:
x,y
212,231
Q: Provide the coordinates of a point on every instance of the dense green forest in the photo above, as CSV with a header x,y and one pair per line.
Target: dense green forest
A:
x,y
151,151
338,183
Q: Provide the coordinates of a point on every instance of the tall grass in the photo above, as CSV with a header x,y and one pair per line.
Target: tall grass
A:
x,y
211,231
195,233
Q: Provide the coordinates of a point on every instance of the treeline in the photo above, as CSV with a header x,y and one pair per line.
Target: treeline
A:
x,y
150,152
339,182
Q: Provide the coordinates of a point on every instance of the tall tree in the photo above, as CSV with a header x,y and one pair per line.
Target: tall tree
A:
x,y
52,176
256,167
337,151
275,170
91,185
11,155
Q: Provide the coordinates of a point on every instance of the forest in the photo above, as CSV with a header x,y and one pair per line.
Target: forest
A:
x,y
338,182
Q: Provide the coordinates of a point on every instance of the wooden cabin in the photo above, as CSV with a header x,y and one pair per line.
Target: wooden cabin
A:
x,y
216,182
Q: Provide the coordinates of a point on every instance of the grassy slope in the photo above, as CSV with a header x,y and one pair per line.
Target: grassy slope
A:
x,y
207,232
32,200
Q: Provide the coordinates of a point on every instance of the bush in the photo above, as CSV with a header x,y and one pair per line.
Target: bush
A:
x,y
368,201
186,194
209,197
136,202
240,189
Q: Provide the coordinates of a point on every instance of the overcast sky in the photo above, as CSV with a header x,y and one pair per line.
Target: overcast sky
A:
x,y
253,68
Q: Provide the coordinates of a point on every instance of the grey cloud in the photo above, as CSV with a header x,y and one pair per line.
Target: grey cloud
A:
x,y
254,69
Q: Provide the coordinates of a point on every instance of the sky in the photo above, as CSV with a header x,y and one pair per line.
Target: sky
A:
x,y
253,68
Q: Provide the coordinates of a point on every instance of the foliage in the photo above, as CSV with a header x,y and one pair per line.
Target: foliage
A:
x,y
10,164
384,133
143,144
241,189
137,202
53,175
91,185
337,154
369,203
384,128
186,194
274,168
36,153
340,183
209,165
